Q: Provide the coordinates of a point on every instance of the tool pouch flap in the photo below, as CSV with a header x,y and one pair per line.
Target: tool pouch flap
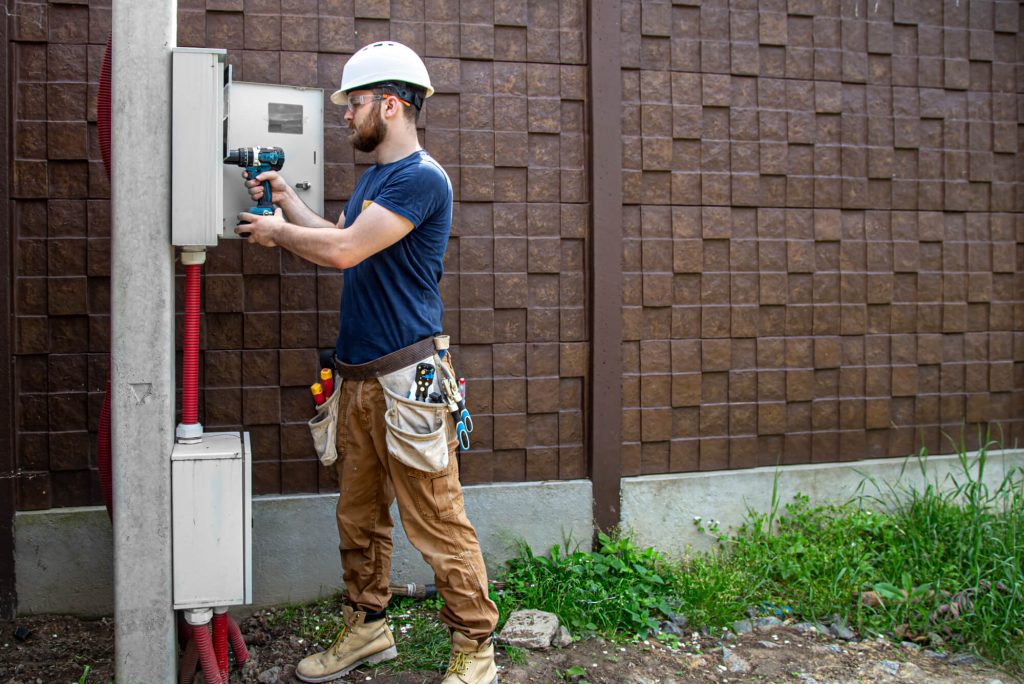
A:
x,y
324,427
417,432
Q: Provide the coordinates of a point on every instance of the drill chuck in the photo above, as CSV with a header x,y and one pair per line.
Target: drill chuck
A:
x,y
271,158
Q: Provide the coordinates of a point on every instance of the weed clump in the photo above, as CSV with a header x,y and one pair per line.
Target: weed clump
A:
x,y
617,588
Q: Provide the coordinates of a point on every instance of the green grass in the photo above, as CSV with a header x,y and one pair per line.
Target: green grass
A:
x,y
85,675
317,622
943,560
422,640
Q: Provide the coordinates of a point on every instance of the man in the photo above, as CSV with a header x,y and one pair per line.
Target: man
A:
x,y
390,242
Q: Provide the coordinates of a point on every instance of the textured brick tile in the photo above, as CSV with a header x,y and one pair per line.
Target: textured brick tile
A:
x,y
68,24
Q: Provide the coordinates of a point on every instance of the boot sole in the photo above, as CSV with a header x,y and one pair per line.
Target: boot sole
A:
x,y
378,657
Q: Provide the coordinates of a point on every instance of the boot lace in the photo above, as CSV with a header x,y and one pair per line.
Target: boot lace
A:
x,y
459,664
338,640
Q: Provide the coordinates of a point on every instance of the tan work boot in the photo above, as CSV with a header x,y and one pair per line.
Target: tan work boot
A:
x,y
471,663
357,643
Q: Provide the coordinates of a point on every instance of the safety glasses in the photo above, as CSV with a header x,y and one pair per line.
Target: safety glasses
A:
x,y
356,101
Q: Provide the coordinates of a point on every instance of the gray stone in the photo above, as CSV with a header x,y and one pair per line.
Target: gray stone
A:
x,y
841,631
764,624
806,678
890,667
936,640
734,662
743,626
910,646
533,629
768,644
679,619
995,681
935,654
271,676
964,659
667,627
811,627
563,638
912,673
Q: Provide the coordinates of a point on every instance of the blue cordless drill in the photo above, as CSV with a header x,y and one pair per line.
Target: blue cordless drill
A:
x,y
256,160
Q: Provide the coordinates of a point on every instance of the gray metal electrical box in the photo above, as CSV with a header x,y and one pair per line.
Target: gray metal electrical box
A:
x,y
199,84
289,117
211,521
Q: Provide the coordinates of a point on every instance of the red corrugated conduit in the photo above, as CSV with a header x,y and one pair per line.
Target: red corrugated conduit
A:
x,y
103,434
207,658
189,660
237,642
190,357
220,641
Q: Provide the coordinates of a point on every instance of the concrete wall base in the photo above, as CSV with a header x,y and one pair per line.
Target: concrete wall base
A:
x,y
660,510
64,557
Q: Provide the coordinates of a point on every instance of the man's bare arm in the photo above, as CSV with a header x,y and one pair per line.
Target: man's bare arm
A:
x,y
375,229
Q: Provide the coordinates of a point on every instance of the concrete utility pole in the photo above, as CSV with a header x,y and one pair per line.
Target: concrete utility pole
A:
x,y
142,338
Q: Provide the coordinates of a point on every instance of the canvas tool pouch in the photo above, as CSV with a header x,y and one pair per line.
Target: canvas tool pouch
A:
x,y
417,431
324,426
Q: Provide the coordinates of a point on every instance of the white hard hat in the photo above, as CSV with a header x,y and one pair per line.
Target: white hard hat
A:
x,y
381,62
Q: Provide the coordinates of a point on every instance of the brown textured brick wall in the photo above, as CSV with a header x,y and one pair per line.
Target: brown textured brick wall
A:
x,y
61,249
824,251
507,123
823,248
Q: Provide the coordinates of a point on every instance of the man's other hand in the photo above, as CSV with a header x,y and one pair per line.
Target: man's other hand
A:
x,y
262,230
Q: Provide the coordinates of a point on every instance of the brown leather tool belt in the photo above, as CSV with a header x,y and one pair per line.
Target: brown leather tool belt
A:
x,y
389,363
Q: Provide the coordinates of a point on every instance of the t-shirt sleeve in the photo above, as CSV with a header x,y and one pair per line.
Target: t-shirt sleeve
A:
x,y
414,194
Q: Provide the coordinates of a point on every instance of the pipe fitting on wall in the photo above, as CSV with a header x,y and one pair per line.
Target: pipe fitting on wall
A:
x,y
193,256
198,616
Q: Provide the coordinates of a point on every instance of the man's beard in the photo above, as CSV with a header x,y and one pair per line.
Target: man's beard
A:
x,y
366,138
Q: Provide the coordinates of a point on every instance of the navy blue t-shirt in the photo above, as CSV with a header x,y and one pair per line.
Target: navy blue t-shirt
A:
x,y
392,299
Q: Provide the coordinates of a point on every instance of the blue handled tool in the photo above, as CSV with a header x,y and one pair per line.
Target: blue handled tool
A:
x,y
456,404
257,160
462,434
460,414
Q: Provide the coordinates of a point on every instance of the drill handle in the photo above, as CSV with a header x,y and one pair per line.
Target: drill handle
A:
x,y
265,202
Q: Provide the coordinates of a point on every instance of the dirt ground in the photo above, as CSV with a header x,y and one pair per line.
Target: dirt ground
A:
x,y
58,649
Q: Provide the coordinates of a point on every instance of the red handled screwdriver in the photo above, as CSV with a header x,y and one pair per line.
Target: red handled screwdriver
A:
x,y
327,380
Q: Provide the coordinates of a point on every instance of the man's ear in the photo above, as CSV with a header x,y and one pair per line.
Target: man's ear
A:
x,y
392,107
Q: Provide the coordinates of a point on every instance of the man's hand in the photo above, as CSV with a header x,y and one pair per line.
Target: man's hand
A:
x,y
262,230
279,189
281,194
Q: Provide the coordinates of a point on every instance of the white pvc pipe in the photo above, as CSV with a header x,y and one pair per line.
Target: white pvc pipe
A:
x,y
142,338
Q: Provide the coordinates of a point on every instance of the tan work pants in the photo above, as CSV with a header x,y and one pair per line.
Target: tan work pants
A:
x,y
431,509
